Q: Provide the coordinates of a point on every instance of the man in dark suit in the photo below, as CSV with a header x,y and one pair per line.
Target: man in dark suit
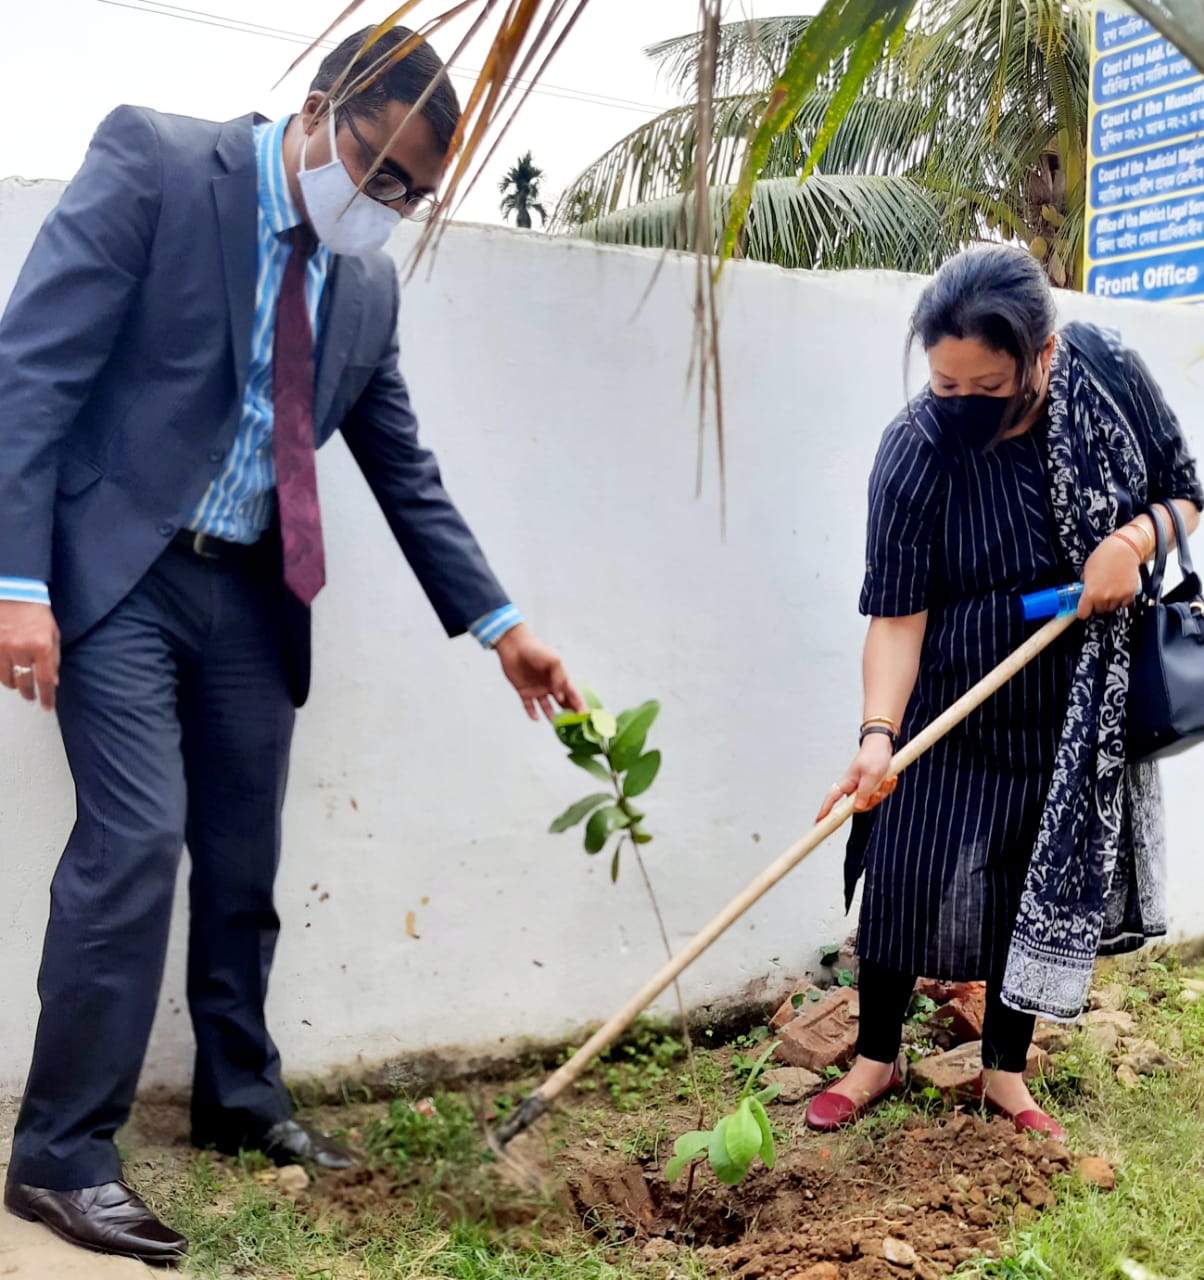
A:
x,y
204,308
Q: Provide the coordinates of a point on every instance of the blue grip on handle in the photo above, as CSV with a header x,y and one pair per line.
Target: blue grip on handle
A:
x,y
1056,602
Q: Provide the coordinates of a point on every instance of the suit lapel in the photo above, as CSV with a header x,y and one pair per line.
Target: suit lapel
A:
x,y
236,194
342,311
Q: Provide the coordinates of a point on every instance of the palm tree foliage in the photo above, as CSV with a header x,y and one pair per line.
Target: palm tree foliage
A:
x,y
848,34
520,192
972,125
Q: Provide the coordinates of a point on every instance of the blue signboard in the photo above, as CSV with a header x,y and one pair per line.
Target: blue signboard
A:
x,y
1145,228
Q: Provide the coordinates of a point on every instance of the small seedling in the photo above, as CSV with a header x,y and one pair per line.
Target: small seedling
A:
x,y
922,1008
739,1137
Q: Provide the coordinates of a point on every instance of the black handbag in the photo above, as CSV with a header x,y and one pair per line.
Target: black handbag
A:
x,y
1165,708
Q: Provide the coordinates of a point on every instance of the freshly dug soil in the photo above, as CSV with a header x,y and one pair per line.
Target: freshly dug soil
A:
x,y
938,1190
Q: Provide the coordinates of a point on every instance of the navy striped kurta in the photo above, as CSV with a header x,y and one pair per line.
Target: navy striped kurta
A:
x,y
962,535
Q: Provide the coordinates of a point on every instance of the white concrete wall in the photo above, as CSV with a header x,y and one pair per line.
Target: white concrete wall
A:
x,y
558,404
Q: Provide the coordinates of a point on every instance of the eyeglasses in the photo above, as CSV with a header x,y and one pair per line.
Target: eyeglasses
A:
x,y
391,188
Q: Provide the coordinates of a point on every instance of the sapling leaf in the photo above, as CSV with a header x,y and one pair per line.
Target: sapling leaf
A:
x,y
578,812
604,722
628,744
768,1152
591,698
743,1134
614,864
757,1067
590,765
642,774
686,1150
603,824
727,1170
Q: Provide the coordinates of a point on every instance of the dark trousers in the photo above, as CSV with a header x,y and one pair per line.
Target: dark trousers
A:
x,y
177,721
885,996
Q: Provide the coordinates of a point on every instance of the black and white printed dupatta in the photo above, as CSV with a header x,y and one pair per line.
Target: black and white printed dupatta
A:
x,y
1096,883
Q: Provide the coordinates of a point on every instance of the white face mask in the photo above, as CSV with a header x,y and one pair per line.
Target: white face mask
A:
x,y
345,219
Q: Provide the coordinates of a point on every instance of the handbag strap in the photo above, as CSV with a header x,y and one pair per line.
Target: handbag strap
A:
x,y
1181,544
1161,556
1151,578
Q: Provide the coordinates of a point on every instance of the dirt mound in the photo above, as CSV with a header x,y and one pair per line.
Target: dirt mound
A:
x,y
927,1197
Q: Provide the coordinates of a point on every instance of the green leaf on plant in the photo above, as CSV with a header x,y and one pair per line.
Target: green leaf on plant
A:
x,y
829,955
603,824
591,698
844,977
589,733
604,722
590,764
727,1170
686,1150
578,812
641,837
743,1134
614,864
567,719
767,1151
628,744
768,1094
757,1067
642,774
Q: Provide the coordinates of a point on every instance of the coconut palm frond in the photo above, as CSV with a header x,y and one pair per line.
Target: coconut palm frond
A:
x,y
827,222
751,55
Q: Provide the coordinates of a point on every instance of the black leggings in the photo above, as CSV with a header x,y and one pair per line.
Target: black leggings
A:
x,y
886,995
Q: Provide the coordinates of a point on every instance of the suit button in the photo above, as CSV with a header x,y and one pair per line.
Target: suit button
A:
x,y
167,529
216,455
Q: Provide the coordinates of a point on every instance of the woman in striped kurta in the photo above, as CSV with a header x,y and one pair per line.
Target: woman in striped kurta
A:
x,y
960,526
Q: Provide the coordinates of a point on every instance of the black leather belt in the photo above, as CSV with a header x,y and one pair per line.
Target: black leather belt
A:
x,y
218,549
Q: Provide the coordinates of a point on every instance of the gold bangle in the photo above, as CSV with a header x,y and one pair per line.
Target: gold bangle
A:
x,y
1133,547
1150,536
892,725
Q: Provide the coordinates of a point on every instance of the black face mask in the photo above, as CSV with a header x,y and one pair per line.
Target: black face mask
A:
x,y
973,423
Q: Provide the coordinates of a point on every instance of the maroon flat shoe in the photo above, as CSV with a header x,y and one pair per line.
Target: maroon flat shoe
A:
x,y
1031,1120
830,1110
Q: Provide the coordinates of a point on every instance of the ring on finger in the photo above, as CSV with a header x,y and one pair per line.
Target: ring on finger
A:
x,y
21,672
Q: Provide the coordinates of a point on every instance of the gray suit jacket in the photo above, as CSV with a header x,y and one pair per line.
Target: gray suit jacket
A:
x,y
123,363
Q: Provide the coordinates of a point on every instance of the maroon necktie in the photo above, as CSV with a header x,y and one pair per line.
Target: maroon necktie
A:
x,y
293,429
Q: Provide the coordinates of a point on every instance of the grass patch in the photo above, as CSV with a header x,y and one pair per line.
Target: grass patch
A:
x,y
1151,1227
240,1228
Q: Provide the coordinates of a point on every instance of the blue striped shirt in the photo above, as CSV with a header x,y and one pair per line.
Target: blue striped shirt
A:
x,y
239,504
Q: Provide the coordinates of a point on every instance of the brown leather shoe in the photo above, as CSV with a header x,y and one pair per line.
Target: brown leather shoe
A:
x,y
108,1219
